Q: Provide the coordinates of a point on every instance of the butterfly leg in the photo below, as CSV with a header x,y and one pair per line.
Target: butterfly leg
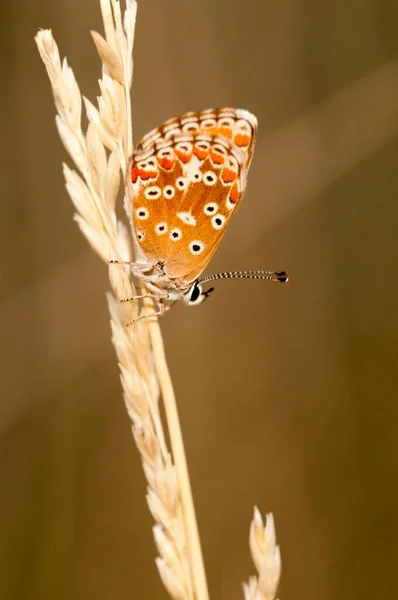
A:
x,y
157,295
138,297
158,313
126,262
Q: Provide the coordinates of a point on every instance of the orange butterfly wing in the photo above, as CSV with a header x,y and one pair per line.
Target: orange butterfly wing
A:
x,y
188,177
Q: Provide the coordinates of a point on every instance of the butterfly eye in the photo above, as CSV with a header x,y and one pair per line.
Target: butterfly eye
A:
x,y
195,293
175,234
161,228
210,208
140,235
169,192
153,192
182,183
218,221
142,213
209,178
196,247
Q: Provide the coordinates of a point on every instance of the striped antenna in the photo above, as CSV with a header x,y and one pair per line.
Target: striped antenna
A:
x,y
280,276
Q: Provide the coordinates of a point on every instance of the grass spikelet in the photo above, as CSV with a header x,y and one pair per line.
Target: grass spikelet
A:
x,y
266,557
93,190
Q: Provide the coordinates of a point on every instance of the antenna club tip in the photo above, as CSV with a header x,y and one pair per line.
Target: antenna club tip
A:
x,y
282,276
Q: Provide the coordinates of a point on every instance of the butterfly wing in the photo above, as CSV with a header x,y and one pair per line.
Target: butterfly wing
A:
x,y
188,177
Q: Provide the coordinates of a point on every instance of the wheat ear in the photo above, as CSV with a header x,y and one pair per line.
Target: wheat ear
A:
x,y
100,155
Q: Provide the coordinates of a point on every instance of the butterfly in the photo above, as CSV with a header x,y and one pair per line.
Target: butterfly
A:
x,y
185,181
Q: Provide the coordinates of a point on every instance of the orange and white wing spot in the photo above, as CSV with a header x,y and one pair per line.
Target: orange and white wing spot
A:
x,y
226,122
140,235
230,172
218,221
187,218
188,118
190,128
242,126
208,123
209,178
175,234
170,124
142,213
166,158
228,175
184,151
201,149
233,163
192,168
225,127
182,183
210,208
195,176
242,140
134,173
152,192
196,247
218,155
171,133
169,192
144,170
233,196
161,228
242,135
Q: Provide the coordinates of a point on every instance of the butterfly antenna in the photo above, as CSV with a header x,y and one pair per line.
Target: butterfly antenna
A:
x,y
280,276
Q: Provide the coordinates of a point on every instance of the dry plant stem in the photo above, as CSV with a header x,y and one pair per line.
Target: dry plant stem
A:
x,y
142,362
139,347
177,443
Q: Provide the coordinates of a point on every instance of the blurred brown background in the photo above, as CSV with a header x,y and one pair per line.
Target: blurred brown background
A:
x,y
287,394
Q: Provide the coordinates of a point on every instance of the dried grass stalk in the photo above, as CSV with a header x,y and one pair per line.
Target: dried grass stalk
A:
x,y
100,155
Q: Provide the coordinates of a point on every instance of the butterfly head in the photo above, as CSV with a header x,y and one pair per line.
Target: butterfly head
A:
x,y
196,295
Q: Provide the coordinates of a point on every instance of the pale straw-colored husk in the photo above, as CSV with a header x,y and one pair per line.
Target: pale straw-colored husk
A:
x,y
101,154
266,557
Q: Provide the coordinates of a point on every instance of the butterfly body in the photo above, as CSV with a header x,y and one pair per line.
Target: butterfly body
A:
x,y
187,178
